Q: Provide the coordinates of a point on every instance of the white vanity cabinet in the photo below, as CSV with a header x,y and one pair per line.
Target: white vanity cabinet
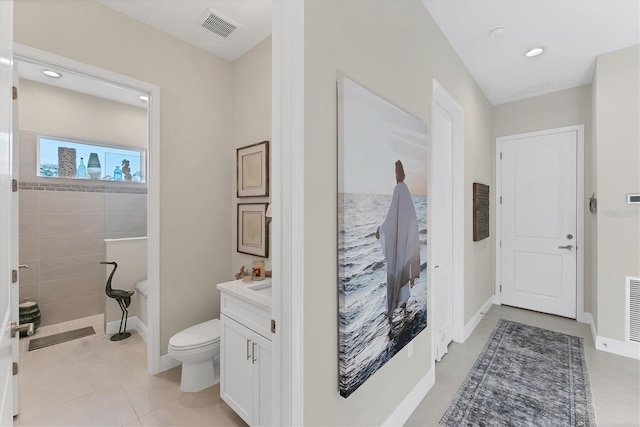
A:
x,y
245,354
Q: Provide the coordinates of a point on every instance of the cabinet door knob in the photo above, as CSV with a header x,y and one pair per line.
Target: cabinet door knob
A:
x,y
253,351
248,353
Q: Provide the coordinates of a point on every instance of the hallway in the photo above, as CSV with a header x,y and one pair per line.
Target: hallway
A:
x,y
615,380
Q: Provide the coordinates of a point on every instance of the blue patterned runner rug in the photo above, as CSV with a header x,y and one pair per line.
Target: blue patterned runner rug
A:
x,y
525,376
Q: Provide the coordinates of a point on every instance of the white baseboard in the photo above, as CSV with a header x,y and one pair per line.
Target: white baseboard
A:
x,y
167,362
112,327
471,325
621,348
142,329
413,399
588,319
133,324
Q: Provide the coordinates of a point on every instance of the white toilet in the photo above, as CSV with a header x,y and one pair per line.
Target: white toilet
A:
x,y
198,348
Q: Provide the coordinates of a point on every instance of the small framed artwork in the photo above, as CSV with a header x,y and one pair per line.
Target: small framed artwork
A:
x,y
252,169
253,236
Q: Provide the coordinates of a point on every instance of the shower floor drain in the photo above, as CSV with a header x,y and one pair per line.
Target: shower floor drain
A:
x,y
37,343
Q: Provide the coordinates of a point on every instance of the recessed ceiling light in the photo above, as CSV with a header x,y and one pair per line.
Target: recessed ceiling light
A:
x,y
51,73
534,52
496,32
143,98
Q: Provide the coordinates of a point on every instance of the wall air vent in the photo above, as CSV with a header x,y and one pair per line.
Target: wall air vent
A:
x,y
632,311
217,23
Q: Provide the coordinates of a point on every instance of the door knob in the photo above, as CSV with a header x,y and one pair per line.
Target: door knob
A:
x,y
23,327
566,247
25,266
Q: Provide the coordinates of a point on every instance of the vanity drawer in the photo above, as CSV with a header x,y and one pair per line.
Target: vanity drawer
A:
x,y
256,318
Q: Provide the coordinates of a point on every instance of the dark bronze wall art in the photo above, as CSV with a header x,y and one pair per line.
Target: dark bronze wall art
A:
x,y
480,211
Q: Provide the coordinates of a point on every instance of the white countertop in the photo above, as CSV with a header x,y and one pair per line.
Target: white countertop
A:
x,y
257,292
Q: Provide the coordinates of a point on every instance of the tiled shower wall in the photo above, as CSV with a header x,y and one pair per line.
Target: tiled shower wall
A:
x,y
63,222
63,225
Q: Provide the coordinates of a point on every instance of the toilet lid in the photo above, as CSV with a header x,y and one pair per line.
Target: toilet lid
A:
x,y
197,335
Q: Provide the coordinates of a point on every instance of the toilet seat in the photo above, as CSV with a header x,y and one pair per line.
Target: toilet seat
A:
x,y
206,334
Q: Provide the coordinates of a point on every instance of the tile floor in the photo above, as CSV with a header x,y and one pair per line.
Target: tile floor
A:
x,y
615,380
95,382
92,381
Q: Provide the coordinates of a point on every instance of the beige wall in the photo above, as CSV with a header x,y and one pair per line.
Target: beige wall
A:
x,y
251,124
59,112
196,154
559,109
397,61
618,153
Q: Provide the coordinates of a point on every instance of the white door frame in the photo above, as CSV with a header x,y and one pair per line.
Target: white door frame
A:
x,y
153,172
579,129
287,183
442,98
8,312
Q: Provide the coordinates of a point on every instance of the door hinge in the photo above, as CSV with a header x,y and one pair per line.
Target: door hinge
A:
x,y
14,276
273,326
15,368
500,288
501,155
500,243
14,93
500,199
14,185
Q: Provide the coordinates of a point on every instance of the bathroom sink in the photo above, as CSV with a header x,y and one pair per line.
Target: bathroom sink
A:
x,y
263,287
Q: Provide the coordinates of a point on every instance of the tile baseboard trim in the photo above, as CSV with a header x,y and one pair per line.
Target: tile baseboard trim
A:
x,y
475,320
404,410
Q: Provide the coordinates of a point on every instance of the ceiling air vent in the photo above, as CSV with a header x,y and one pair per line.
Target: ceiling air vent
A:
x,y
217,23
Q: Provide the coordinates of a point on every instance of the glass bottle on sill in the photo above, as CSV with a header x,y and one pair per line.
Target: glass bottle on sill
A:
x,y
117,174
82,169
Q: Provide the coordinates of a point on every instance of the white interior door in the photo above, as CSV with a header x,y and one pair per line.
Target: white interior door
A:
x,y
441,230
6,287
539,222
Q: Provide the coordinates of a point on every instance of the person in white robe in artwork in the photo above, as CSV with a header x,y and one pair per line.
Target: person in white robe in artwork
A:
x,y
398,236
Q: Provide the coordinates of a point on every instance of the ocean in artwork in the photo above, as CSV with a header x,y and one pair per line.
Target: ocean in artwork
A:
x,y
367,338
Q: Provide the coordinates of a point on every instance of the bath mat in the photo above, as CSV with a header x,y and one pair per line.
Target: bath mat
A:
x,y
47,341
525,376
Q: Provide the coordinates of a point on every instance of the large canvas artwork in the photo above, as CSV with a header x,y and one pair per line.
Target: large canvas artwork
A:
x,y
382,231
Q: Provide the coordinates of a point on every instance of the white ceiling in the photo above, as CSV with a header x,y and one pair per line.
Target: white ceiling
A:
x,y
180,19
573,33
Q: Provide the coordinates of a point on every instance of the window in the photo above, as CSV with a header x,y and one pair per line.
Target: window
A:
x,y
64,158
